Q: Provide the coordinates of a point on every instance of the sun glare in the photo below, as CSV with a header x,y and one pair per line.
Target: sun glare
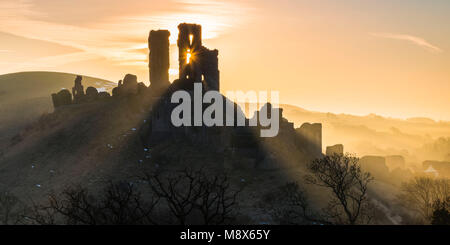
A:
x,y
188,56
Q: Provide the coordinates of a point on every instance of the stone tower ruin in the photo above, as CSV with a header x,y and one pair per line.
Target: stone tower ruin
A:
x,y
197,64
78,90
159,63
189,44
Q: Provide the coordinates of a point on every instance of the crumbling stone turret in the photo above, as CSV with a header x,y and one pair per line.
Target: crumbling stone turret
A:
x,y
159,63
78,90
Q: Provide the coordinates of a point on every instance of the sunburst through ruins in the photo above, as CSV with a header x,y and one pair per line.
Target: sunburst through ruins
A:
x,y
199,77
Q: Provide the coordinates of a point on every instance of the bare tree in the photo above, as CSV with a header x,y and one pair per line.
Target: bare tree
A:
x,y
290,206
187,196
179,191
441,212
119,203
342,174
421,193
188,192
124,205
41,215
77,206
216,200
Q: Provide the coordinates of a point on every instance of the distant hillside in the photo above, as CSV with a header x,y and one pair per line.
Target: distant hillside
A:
x,y
373,134
25,96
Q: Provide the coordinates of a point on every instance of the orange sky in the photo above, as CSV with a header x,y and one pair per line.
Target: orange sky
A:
x,y
344,56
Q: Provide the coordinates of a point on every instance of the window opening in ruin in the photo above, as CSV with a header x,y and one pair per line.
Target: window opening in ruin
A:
x,y
191,38
188,56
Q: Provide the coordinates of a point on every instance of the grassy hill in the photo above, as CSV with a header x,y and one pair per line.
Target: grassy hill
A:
x,y
93,143
25,96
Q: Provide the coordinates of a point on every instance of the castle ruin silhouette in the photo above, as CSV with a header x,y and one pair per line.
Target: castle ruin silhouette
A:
x,y
197,64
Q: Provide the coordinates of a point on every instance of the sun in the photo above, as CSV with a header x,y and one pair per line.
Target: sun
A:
x,y
188,56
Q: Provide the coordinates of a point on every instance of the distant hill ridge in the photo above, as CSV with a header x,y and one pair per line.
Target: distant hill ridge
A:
x,y
41,83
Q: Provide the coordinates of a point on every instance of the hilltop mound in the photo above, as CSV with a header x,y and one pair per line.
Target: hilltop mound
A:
x,y
93,143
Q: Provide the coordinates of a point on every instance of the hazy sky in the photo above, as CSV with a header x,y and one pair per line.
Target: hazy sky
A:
x,y
389,57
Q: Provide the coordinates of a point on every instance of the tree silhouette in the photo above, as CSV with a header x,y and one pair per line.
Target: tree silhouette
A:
x,y
193,194
441,212
421,193
342,174
118,203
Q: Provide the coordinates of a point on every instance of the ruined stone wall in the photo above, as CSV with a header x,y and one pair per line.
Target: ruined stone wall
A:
x,y
129,85
63,97
91,94
196,62
210,68
159,59
78,90
311,134
335,149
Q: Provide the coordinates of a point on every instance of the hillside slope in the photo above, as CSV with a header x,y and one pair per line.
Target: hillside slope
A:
x,y
25,96
94,143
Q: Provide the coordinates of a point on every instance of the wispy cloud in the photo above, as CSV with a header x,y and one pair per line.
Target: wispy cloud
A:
x,y
412,39
106,31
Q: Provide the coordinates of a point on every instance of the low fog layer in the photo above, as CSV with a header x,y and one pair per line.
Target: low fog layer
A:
x,y
416,139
